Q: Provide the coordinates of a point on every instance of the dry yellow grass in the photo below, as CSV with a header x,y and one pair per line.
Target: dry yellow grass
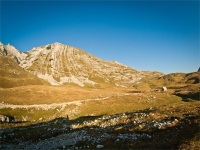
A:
x,y
117,100
175,80
126,103
36,94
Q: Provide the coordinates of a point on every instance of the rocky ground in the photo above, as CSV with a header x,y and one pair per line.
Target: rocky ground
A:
x,y
168,127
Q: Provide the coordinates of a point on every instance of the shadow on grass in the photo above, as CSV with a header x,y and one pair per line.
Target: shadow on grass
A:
x,y
169,138
189,96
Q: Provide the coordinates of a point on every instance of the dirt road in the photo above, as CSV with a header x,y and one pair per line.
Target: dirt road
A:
x,y
49,106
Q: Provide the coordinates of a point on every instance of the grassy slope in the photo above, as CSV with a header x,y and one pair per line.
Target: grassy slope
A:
x,y
119,100
173,80
12,75
37,94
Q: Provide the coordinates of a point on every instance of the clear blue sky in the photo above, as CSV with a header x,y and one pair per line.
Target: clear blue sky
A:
x,y
146,35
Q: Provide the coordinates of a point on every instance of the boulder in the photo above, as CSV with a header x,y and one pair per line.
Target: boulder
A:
x,y
4,118
164,89
100,146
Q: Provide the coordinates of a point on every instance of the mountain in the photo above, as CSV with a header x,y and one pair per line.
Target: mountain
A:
x,y
60,64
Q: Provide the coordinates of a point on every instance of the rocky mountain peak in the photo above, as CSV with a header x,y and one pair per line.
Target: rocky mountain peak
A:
x,y
59,64
11,51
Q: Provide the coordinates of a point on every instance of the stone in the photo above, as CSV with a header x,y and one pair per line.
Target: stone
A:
x,y
100,146
164,89
4,118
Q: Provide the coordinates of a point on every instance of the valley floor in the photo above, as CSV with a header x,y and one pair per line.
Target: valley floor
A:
x,y
118,119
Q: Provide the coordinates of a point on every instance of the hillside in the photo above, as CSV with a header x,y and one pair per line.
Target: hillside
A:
x,y
12,75
170,80
184,85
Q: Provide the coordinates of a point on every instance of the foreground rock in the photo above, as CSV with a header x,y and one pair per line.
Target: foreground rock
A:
x,y
4,118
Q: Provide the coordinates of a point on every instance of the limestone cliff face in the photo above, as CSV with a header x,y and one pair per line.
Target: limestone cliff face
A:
x,y
9,50
58,64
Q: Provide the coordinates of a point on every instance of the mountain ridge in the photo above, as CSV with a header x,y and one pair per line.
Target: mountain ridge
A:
x,y
60,64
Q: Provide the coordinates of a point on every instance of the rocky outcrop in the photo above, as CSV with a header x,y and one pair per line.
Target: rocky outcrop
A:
x,y
11,51
4,118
